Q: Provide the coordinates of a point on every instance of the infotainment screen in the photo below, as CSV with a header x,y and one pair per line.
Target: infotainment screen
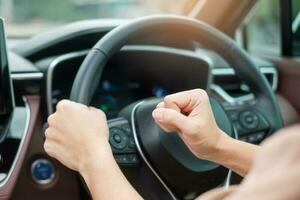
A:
x,y
6,92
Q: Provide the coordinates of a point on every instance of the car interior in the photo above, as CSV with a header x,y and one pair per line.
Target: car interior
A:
x,y
124,57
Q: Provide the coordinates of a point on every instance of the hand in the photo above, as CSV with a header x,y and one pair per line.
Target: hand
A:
x,y
189,113
276,171
78,136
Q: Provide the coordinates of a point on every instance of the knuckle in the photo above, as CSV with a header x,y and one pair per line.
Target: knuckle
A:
x,y
201,93
47,148
101,114
51,120
62,104
47,133
168,99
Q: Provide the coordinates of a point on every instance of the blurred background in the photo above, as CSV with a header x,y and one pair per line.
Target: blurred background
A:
x,y
27,17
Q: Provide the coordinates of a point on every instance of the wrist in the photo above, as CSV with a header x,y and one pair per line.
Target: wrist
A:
x,y
96,158
224,142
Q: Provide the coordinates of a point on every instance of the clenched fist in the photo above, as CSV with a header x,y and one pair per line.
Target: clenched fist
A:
x,y
78,136
189,113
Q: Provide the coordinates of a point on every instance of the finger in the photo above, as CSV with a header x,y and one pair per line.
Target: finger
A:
x,y
185,101
62,103
166,128
52,119
171,118
53,134
53,149
56,121
50,148
93,108
160,105
65,103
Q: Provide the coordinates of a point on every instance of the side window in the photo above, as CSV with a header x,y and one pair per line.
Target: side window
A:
x,y
261,30
296,27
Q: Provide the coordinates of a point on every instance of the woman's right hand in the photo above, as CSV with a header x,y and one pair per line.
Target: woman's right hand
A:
x,y
189,113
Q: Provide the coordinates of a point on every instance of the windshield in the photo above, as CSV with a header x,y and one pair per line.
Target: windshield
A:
x,y
28,17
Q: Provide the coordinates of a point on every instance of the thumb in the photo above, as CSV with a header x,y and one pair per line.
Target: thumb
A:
x,y
170,119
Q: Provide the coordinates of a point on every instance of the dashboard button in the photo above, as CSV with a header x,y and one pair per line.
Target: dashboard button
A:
x,y
234,115
131,143
126,159
133,158
256,137
249,120
42,171
126,128
118,139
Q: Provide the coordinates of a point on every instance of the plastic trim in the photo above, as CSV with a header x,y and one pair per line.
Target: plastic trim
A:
x,y
143,155
3,182
27,76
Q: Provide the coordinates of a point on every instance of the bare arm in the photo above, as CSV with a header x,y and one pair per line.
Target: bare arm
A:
x,y
236,155
107,181
275,174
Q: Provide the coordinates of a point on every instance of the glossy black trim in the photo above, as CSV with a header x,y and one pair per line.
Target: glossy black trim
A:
x,y
286,27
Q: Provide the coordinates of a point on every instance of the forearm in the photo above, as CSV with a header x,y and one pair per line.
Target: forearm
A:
x,y
236,155
106,181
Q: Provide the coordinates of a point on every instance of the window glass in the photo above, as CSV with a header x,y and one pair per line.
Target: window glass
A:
x,y
296,27
28,17
262,29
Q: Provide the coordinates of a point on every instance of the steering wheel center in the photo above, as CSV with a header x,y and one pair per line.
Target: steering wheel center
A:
x,y
182,170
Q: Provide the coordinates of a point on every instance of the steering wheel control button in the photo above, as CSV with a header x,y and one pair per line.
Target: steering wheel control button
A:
x,y
249,120
256,137
122,142
234,116
42,171
118,139
127,159
132,143
126,128
133,158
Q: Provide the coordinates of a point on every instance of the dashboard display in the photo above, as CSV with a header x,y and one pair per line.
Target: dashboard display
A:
x,y
114,93
6,92
111,97
131,76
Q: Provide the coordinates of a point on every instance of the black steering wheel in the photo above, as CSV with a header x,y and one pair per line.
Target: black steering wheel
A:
x,y
165,154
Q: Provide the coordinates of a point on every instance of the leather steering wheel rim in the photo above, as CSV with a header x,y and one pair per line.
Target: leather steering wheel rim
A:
x,y
90,71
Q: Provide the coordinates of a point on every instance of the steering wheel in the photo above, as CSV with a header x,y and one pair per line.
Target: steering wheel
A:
x,y
165,154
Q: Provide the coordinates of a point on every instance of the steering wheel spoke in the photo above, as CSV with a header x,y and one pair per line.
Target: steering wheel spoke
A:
x,y
250,124
122,142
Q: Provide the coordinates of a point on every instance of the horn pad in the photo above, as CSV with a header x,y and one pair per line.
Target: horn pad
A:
x,y
183,172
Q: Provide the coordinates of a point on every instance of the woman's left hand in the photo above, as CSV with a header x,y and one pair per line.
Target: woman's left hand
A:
x,y
78,136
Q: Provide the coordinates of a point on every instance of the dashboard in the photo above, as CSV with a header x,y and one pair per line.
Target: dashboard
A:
x,y
136,73
139,72
45,66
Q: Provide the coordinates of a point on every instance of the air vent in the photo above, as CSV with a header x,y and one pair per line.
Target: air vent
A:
x,y
231,88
